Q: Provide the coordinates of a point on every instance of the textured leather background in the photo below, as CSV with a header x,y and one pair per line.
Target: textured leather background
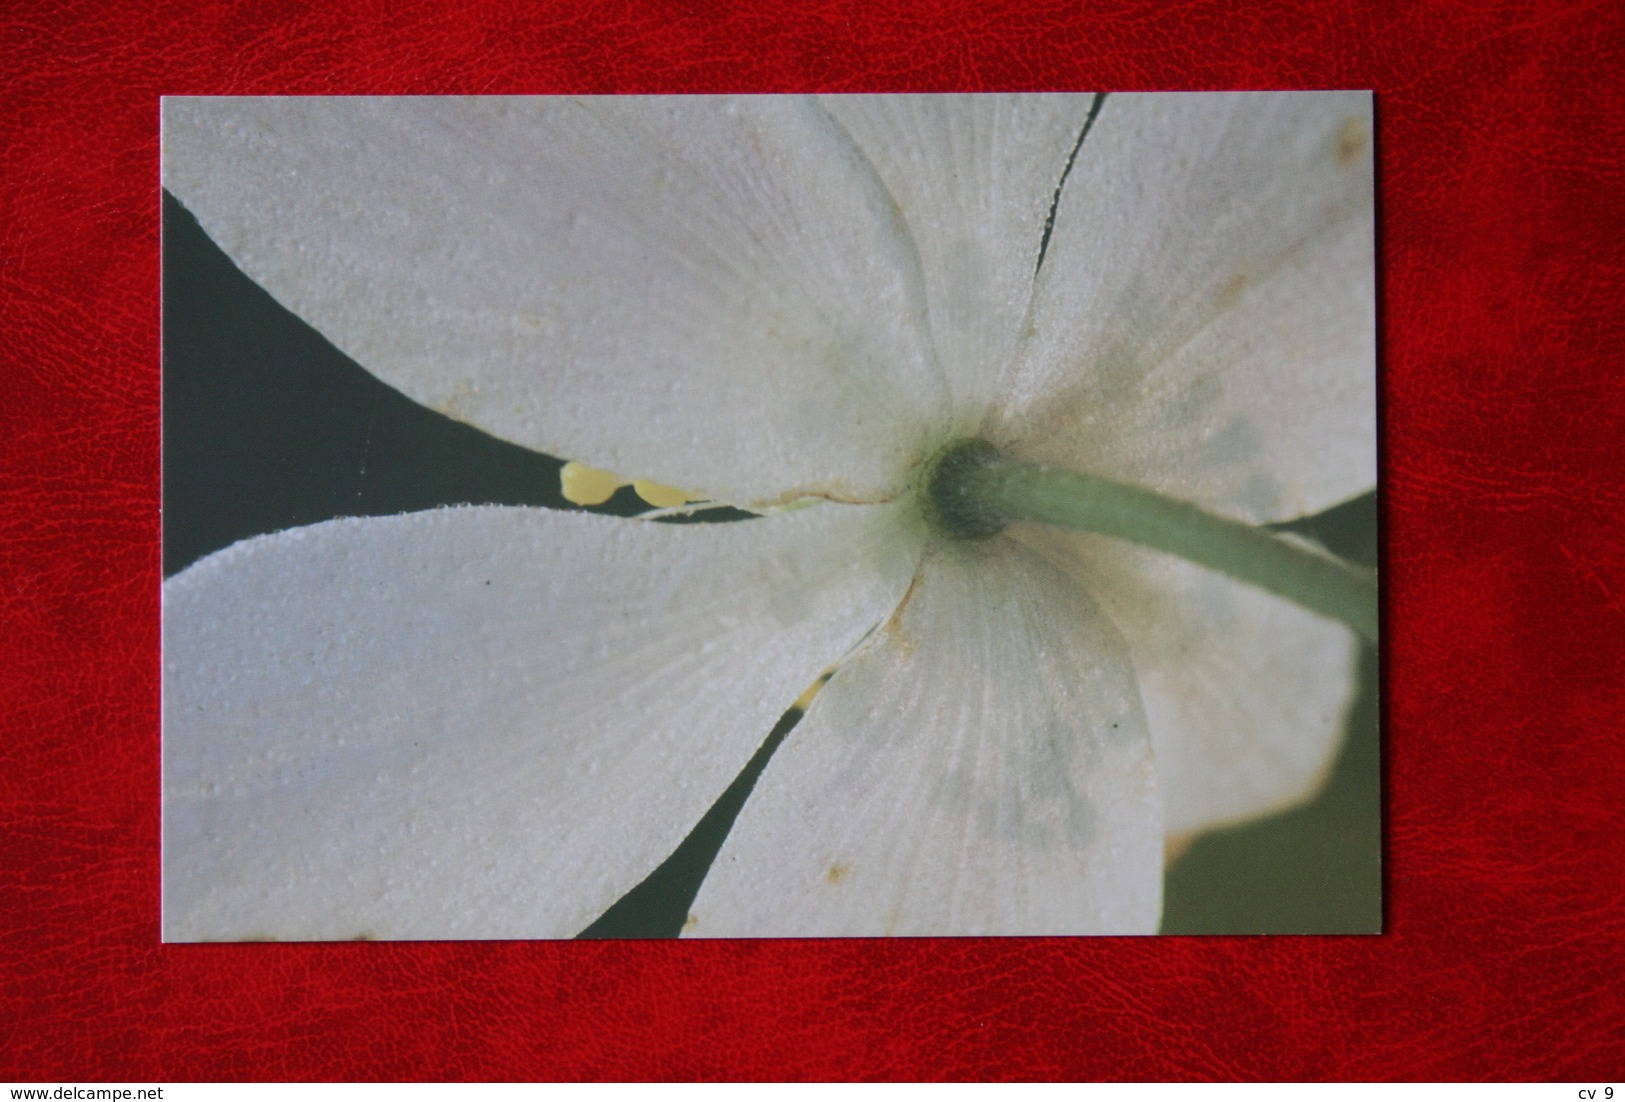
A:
x,y
1503,252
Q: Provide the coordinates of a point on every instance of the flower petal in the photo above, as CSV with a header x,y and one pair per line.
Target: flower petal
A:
x,y
974,176
982,767
1246,693
1204,323
707,293
482,722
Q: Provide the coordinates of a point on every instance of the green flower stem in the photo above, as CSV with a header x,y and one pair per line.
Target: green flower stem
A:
x,y
1311,578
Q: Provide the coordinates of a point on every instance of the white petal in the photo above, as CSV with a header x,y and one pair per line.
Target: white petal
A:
x,y
1204,323
713,294
982,767
975,176
482,722
1246,694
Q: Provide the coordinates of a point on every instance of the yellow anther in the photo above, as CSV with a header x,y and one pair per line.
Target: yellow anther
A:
x,y
661,497
586,486
805,699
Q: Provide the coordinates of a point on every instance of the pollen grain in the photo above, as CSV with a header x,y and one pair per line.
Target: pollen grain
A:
x,y
661,497
583,485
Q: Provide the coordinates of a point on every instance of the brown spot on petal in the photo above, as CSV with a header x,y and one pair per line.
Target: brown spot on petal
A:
x,y
893,627
836,874
1352,142
1231,291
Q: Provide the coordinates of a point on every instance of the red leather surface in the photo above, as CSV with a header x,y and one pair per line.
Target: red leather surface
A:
x,y
1503,252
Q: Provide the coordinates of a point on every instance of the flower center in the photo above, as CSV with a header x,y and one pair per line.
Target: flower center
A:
x,y
970,490
952,507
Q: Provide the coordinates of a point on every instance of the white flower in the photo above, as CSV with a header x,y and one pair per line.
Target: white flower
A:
x,y
492,722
